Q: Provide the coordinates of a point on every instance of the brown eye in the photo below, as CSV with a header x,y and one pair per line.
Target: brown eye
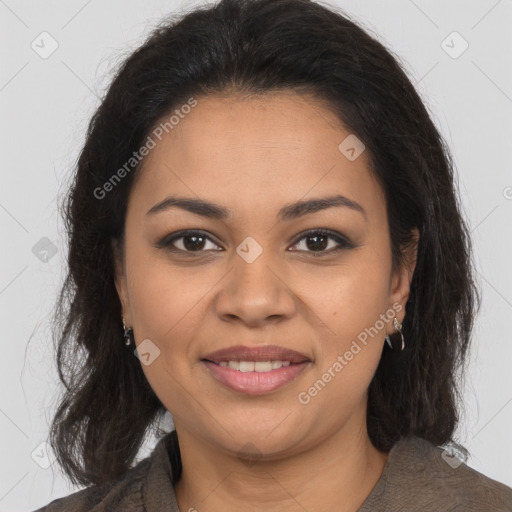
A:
x,y
317,241
192,242
187,241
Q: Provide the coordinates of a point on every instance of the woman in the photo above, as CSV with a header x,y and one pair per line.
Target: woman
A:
x,y
266,215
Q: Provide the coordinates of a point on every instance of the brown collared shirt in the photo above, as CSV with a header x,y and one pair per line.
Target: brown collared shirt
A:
x,y
416,477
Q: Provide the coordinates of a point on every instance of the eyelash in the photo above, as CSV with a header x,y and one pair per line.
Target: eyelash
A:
x,y
343,242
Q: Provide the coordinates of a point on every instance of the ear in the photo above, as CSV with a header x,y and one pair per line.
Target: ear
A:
x,y
401,279
120,281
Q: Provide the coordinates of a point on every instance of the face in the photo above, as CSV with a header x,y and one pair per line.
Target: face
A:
x,y
262,275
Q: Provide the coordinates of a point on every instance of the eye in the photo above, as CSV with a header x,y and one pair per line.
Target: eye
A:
x,y
186,242
317,241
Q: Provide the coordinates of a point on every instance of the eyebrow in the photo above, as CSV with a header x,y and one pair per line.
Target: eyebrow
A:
x,y
288,212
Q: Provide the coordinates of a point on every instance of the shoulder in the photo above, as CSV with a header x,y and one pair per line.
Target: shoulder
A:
x,y
123,493
422,476
146,487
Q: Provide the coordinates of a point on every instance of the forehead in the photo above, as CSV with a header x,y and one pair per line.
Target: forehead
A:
x,y
254,152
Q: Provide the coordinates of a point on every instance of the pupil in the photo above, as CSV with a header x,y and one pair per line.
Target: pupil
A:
x,y
322,244
192,246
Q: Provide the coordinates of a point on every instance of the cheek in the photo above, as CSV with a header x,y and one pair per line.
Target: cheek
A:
x,y
156,308
350,297
166,300
350,346
350,306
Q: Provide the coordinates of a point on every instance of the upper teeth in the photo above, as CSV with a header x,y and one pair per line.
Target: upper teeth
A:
x,y
251,366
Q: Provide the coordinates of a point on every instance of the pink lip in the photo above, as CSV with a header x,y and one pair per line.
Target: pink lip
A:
x,y
255,383
261,353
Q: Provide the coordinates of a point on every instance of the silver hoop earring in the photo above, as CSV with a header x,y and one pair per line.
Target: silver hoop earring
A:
x,y
398,328
128,335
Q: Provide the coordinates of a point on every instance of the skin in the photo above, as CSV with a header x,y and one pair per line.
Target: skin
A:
x,y
255,155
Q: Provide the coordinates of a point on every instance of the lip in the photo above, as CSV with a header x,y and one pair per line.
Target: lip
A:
x,y
261,353
255,383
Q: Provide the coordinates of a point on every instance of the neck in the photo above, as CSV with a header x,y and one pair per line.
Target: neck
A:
x,y
336,474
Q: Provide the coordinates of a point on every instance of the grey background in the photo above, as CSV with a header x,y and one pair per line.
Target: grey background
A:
x,y
46,104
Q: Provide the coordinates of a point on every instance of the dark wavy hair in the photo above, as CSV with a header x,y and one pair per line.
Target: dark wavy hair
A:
x,y
256,47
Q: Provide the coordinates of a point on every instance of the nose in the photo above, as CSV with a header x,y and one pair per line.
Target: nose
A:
x,y
256,294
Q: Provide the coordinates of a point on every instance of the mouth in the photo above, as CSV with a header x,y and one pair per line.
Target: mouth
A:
x,y
255,370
